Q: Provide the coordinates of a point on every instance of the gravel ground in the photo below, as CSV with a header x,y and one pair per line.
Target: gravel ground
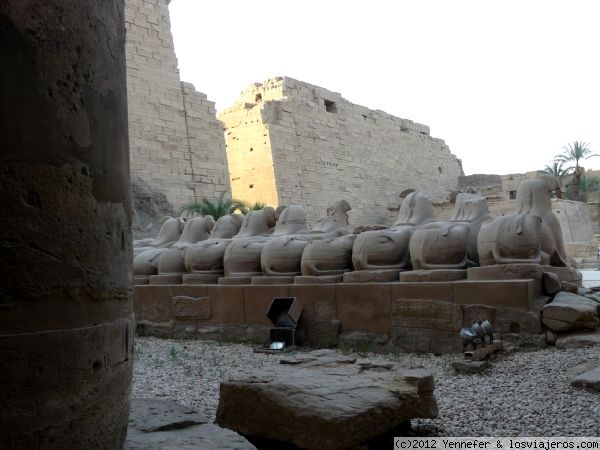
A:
x,y
522,394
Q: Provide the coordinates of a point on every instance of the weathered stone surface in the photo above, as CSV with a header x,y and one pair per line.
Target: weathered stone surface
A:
x,y
191,308
324,279
234,281
522,271
588,380
141,279
512,320
499,293
569,287
150,415
176,142
424,340
578,340
66,321
476,313
470,367
523,342
166,425
451,244
170,278
358,341
389,249
371,276
551,283
588,294
200,278
433,275
430,314
569,311
531,235
324,400
149,207
426,326
265,281
322,333
360,177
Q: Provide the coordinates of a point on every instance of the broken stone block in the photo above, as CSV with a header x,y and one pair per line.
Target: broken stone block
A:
x,y
470,367
325,400
166,425
551,283
569,311
567,286
578,340
588,380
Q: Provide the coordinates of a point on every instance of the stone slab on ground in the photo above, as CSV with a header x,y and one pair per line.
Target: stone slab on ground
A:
x,y
470,367
166,425
578,340
568,311
371,276
325,400
589,380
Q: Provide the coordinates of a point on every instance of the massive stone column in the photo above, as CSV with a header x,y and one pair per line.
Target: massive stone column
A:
x,y
65,247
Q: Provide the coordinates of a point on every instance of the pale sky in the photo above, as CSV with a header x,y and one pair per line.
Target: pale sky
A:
x,y
505,83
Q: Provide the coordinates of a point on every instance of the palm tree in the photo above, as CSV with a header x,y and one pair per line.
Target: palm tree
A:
x,y
575,153
557,170
216,208
587,185
256,206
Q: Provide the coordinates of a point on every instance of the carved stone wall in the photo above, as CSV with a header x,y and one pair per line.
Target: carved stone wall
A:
x,y
176,142
293,142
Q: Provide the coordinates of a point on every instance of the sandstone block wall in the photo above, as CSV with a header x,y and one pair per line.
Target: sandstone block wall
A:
x,y
176,142
293,142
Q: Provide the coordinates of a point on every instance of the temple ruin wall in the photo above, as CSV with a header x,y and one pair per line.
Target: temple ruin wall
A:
x,y
176,142
307,145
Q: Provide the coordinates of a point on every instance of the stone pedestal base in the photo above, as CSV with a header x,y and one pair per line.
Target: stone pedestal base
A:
x,y
262,281
433,275
371,276
167,278
325,279
141,279
200,278
234,281
522,271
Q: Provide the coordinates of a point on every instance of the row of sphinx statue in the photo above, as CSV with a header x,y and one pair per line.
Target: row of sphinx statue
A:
x,y
277,242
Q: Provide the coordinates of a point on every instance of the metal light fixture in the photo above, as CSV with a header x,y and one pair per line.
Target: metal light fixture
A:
x,y
477,333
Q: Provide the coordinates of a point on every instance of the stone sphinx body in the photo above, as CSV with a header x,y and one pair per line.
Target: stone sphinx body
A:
x,y
169,233
148,262
207,257
282,256
531,235
329,256
173,260
388,249
452,244
243,256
